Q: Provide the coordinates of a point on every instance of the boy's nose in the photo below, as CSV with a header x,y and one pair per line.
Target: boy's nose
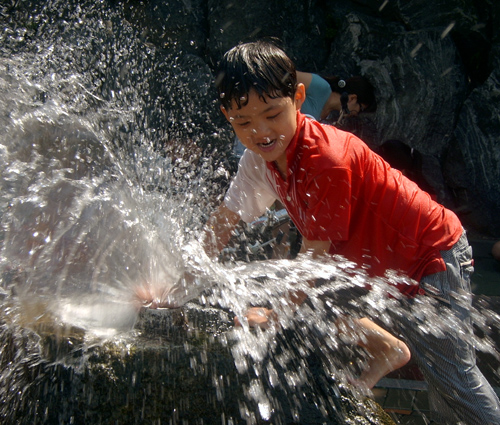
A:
x,y
261,131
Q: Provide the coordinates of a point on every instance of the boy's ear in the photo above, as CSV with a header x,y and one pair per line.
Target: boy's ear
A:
x,y
300,95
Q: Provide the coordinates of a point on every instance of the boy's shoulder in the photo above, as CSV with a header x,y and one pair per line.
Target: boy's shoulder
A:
x,y
252,164
327,146
314,134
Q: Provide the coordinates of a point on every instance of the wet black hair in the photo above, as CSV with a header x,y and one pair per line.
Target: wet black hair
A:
x,y
357,85
259,65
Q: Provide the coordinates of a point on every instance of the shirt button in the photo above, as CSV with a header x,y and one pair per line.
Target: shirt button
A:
x,y
288,198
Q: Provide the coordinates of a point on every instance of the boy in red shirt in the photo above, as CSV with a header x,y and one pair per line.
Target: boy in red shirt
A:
x,y
344,199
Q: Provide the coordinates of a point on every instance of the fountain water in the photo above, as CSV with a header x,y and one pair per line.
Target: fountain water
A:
x,y
100,197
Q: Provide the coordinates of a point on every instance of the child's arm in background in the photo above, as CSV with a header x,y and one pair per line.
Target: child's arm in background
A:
x,y
219,229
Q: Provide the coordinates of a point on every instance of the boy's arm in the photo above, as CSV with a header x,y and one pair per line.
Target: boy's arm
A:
x,y
220,226
316,247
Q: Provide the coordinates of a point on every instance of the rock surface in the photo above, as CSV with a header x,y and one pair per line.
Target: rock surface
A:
x,y
176,368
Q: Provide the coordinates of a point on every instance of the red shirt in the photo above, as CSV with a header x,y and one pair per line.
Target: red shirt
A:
x,y
338,190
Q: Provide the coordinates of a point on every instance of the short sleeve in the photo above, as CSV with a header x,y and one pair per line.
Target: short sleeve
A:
x,y
317,94
250,192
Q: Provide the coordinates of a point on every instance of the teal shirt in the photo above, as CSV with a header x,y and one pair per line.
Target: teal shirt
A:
x,y
317,94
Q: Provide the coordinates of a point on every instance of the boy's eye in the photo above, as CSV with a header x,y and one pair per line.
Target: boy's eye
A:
x,y
243,124
273,116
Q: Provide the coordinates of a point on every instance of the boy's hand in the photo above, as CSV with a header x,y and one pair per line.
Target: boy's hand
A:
x,y
156,295
259,316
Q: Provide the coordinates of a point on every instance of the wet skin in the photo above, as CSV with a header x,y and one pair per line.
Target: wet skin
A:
x,y
267,126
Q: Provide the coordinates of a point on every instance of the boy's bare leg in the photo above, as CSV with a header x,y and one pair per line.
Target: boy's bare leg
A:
x,y
387,353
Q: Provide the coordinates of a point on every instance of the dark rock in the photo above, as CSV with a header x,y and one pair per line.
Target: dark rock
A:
x,y
168,372
232,22
170,24
477,174
417,75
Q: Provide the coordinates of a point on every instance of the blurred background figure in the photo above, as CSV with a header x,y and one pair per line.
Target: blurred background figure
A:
x,y
495,251
328,94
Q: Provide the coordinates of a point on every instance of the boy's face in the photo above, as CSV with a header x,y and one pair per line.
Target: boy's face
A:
x,y
267,128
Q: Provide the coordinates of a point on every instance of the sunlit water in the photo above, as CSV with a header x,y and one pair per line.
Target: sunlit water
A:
x,y
93,206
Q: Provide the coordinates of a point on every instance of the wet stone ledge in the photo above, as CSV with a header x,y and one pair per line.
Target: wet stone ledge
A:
x,y
176,368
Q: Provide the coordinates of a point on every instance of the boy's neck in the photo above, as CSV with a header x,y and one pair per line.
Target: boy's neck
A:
x,y
282,167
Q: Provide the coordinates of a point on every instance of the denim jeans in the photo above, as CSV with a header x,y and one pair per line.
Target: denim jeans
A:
x,y
440,336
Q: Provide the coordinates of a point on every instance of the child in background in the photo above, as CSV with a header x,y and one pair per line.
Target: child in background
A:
x,y
325,95
344,199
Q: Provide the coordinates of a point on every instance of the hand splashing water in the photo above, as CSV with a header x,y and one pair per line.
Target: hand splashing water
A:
x,y
78,227
154,295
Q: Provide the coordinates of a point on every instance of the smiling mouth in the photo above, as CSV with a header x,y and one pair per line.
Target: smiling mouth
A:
x,y
267,144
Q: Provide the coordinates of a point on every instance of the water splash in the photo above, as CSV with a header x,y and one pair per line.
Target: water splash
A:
x,y
96,196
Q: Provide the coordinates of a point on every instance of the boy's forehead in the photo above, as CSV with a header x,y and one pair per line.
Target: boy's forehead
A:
x,y
254,101
241,100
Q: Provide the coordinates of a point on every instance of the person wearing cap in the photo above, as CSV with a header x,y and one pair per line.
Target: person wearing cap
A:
x,y
327,94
